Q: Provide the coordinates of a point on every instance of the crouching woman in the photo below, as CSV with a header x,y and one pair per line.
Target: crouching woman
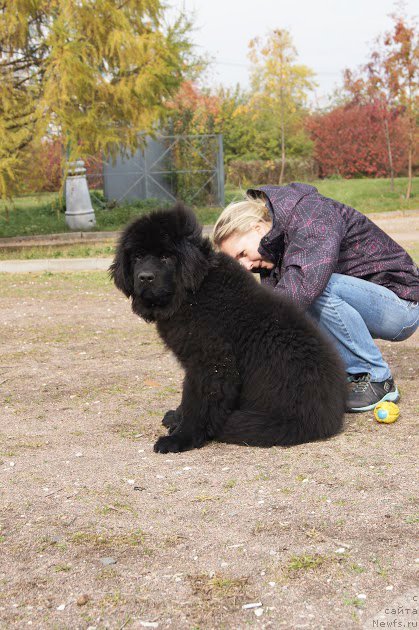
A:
x,y
336,264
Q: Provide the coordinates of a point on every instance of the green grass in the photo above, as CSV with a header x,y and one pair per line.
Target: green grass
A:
x,y
40,213
366,195
371,195
304,562
354,601
93,250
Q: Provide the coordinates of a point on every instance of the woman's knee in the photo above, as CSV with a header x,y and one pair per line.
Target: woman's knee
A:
x,y
406,332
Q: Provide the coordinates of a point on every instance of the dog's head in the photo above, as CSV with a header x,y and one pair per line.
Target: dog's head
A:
x,y
160,258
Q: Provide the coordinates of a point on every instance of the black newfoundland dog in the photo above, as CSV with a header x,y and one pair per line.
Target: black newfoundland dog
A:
x,y
257,371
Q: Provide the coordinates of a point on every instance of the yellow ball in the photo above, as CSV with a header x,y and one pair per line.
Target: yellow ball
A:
x,y
386,412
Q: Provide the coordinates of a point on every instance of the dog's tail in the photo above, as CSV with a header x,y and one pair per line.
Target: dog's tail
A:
x,y
256,429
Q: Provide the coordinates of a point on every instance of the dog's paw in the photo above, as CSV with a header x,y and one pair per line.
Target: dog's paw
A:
x,y
170,420
174,443
169,444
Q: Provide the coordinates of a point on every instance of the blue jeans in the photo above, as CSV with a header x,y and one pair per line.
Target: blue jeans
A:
x,y
354,312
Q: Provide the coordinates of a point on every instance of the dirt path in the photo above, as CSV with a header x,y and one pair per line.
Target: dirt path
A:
x,y
403,228
97,531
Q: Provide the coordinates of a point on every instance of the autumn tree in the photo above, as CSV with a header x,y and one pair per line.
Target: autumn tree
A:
x,y
95,72
349,140
236,121
279,86
401,65
192,110
389,80
372,89
191,118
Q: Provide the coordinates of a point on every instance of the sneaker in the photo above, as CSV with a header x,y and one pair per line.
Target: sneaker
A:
x,y
364,394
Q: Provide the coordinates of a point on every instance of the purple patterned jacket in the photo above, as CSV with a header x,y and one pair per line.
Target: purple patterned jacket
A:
x,y
313,236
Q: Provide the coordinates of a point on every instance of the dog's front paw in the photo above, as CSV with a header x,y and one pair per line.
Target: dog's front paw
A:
x,y
169,444
171,420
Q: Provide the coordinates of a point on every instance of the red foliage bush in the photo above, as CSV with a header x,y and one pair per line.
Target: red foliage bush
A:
x,y
43,167
192,110
94,171
350,141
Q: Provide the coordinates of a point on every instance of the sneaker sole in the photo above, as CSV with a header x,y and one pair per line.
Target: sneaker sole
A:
x,y
390,397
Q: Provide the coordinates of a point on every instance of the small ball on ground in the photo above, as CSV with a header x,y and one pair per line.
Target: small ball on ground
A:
x,y
386,412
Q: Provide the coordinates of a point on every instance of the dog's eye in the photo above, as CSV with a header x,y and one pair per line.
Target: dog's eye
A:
x,y
164,258
138,258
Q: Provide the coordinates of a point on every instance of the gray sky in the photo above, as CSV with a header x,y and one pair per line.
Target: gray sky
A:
x,y
329,35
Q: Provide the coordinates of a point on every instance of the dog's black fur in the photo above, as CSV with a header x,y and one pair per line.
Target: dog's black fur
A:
x,y
257,370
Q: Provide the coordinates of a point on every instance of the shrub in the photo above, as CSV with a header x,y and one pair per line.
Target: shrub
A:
x,y
350,141
258,172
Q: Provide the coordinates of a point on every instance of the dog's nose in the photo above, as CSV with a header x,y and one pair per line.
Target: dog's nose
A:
x,y
146,276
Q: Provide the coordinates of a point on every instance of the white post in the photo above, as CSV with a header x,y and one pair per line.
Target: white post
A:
x,y
79,214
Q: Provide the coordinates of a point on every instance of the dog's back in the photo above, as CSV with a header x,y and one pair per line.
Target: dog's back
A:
x,y
293,386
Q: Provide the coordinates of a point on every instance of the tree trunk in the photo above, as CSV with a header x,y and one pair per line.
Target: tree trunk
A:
x,y
281,176
409,174
410,160
390,155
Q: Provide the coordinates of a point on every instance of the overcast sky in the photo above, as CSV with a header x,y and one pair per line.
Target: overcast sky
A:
x,y
329,35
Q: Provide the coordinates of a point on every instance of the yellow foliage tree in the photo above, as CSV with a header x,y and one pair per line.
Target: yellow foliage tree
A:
x,y
97,72
279,84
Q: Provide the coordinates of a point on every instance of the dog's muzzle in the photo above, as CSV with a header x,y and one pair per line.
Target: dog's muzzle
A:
x,y
151,296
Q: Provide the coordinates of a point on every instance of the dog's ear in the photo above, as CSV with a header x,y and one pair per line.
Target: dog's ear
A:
x,y
187,224
193,249
121,272
195,262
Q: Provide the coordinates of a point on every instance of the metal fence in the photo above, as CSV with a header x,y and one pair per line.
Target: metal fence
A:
x,y
188,168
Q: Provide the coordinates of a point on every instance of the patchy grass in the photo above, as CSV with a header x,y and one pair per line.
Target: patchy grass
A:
x,y
62,568
127,431
59,285
115,508
357,568
354,601
219,590
95,540
205,498
298,564
381,569
98,250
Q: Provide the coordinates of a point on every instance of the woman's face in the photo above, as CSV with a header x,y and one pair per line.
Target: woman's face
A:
x,y
244,247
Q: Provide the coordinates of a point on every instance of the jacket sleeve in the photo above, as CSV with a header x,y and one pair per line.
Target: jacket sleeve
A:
x,y
313,241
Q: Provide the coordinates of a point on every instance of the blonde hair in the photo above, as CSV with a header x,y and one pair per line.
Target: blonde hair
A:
x,y
239,216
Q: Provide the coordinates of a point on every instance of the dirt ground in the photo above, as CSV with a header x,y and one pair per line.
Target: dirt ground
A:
x,y
97,531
